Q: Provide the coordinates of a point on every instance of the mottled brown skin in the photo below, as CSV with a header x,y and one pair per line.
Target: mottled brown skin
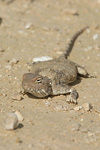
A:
x,y
53,77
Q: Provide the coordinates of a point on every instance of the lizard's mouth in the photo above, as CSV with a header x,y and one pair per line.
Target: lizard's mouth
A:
x,y
41,93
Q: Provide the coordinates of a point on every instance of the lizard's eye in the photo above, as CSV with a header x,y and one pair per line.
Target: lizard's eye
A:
x,y
39,80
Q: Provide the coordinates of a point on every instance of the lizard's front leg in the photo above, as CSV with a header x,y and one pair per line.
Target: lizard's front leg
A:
x,y
66,89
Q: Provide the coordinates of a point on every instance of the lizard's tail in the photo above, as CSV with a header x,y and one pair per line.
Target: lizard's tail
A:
x,y
71,43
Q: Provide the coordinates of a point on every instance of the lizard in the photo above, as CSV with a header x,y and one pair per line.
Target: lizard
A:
x,y
52,77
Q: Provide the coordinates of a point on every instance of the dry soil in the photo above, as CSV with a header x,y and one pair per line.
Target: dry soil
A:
x,y
35,28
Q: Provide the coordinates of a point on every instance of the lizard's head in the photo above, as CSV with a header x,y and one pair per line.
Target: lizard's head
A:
x,y
37,85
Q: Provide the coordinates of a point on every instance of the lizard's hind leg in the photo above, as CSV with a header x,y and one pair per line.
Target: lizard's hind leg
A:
x,y
82,71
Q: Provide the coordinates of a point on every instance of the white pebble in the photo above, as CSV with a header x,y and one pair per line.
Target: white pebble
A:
x,y
95,36
47,103
30,145
11,121
28,26
8,67
82,119
87,106
20,117
77,108
43,58
0,75
21,32
58,108
14,61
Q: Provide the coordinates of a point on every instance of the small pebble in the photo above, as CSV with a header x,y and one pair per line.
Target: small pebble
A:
x,y
2,50
78,108
14,61
8,67
11,121
58,108
65,108
19,116
96,26
18,140
17,96
97,133
47,103
76,127
87,106
95,36
4,94
59,52
82,119
0,75
28,25
43,58
71,12
30,145
84,130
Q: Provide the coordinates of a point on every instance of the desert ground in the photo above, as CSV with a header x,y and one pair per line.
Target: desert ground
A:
x,y
36,28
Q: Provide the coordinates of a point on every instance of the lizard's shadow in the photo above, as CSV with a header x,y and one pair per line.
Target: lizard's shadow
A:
x,y
76,81
33,97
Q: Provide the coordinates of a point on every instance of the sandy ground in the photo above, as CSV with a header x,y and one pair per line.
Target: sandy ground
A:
x,y
43,28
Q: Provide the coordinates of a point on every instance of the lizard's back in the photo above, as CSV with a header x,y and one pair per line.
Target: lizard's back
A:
x,y
60,70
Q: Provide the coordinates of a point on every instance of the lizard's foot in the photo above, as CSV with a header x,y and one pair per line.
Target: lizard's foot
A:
x,y
72,97
83,72
72,100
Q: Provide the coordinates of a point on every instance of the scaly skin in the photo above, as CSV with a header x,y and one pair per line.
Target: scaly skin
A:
x,y
53,77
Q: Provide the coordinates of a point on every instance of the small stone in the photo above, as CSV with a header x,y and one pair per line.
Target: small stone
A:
x,y
49,98
8,67
87,106
19,116
2,50
65,108
43,58
11,121
47,103
7,60
29,25
4,94
96,26
71,12
97,133
78,108
30,145
18,140
76,127
84,130
58,108
95,36
0,75
17,96
82,120
14,61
